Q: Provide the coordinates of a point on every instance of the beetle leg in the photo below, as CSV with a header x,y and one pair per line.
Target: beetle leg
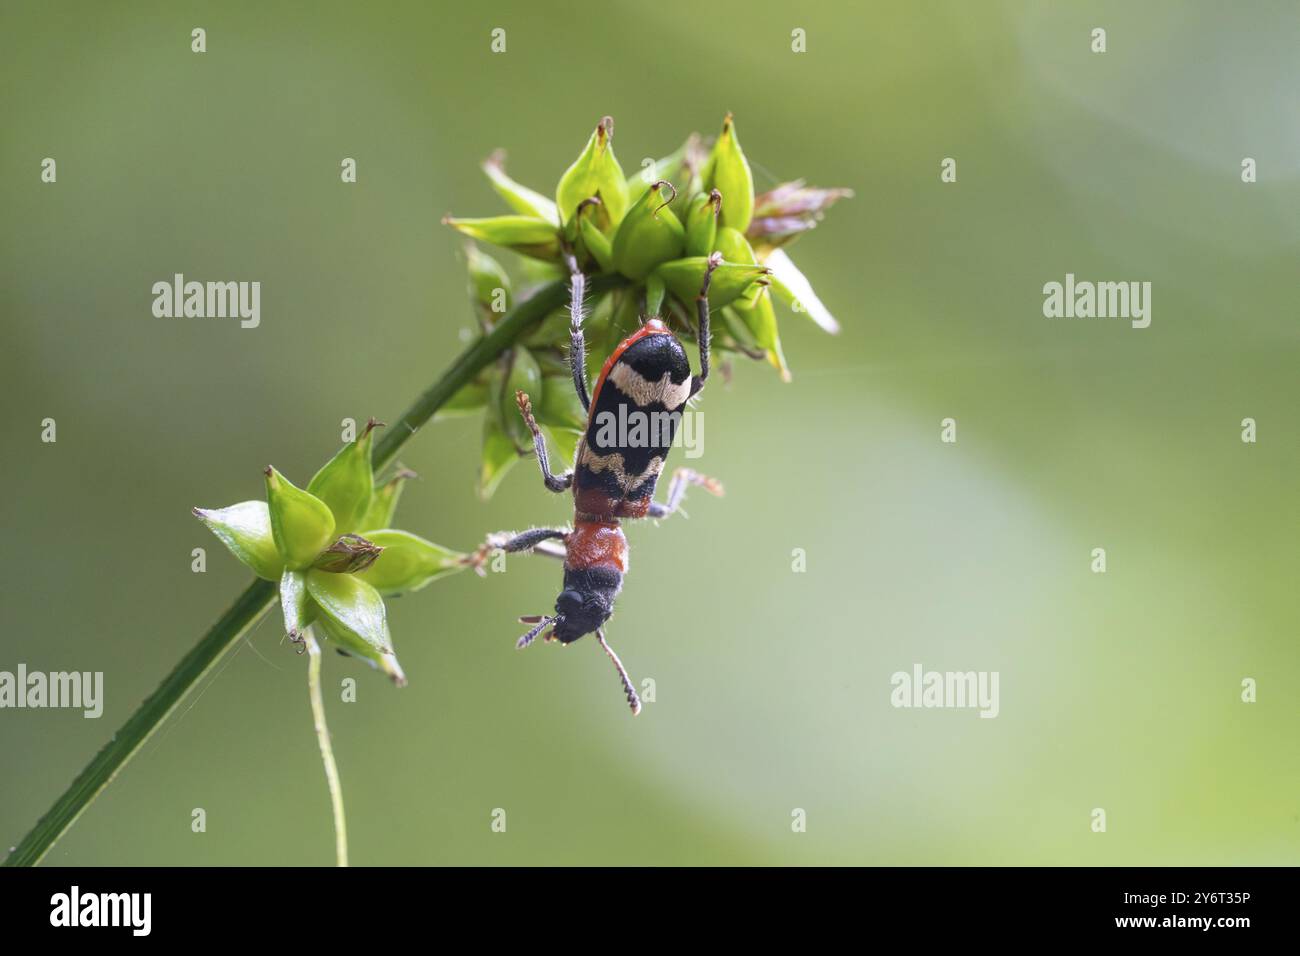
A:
x,y
677,491
577,346
556,483
702,315
537,540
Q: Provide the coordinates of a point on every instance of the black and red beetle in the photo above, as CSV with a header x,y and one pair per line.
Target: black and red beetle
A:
x,y
648,375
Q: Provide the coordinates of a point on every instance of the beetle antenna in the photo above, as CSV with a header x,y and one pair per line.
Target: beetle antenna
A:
x,y
539,621
633,700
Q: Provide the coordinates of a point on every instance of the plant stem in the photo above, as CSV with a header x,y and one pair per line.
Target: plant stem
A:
x,y
259,596
248,607
326,750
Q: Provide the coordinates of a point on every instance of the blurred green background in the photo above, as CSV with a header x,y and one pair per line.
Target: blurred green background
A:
x,y
1118,691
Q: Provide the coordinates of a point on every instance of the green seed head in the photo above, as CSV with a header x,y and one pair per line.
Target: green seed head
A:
x,y
302,524
594,173
702,223
649,234
728,171
608,223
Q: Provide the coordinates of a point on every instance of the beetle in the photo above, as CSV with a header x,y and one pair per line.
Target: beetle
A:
x,y
647,376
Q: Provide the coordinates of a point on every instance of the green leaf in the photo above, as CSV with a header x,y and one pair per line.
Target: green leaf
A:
x,y
409,562
522,234
499,454
796,291
489,285
245,529
559,404
346,483
521,198
301,523
730,280
728,172
352,614
469,398
594,173
525,375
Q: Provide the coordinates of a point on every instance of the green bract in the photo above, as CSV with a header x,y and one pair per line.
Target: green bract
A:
x,y
346,483
521,198
730,280
384,502
523,234
408,562
245,529
353,614
655,227
328,549
294,603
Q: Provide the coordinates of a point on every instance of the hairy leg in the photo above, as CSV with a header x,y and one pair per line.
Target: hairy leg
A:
x,y
577,345
702,315
683,477
556,483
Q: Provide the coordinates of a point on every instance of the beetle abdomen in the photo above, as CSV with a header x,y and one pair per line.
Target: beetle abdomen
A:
x,y
637,405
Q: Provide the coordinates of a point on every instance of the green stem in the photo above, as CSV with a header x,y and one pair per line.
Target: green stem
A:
x,y
259,596
326,749
242,615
